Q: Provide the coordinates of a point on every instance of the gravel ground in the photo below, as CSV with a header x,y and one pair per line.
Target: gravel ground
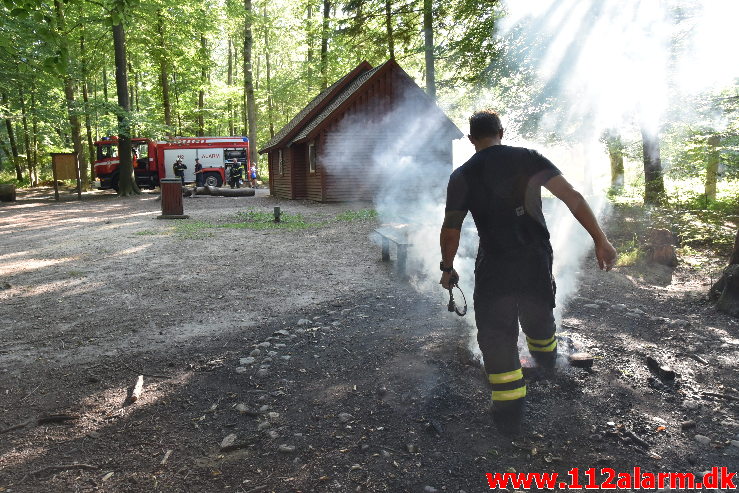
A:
x,y
294,360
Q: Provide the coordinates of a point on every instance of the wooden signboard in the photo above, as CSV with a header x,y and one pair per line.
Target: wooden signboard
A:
x,y
64,167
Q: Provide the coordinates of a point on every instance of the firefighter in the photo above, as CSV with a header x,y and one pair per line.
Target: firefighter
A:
x,y
179,170
236,173
198,173
501,186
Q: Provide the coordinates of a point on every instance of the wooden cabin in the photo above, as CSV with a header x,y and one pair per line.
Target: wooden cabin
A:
x,y
328,152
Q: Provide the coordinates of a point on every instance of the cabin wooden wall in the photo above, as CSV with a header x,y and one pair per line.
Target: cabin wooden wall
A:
x,y
281,184
299,169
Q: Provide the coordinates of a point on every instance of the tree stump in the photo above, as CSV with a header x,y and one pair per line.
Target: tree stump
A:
x,y
7,192
661,247
726,290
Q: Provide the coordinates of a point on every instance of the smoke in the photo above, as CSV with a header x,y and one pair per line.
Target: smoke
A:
x,y
571,72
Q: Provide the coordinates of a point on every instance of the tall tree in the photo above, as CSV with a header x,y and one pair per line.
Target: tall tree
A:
x,y
712,162
86,99
26,135
654,185
229,83
428,36
163,72
69,87
269,82
324,44
203,82
389,28
126,181
616,156
251,112
11,137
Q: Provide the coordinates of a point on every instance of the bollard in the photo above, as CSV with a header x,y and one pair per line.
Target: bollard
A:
x,y
171,189
277,214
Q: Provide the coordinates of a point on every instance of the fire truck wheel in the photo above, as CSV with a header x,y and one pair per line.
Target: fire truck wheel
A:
x,y
213,180
114,183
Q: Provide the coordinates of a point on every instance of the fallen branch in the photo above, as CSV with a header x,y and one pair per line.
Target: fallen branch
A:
x,y
639,440
721,396
41,420
15,427
64,467
56,418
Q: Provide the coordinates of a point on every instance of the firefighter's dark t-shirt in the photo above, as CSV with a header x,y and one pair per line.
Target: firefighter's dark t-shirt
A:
x,y
501,187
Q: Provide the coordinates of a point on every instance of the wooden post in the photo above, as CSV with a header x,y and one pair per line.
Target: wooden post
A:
x,y
56,184
277,214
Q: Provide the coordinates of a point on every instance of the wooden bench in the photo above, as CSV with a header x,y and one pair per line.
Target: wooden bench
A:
x,y
398,236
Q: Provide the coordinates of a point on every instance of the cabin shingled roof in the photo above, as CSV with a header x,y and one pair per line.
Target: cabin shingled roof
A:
x,y
313,104
337,101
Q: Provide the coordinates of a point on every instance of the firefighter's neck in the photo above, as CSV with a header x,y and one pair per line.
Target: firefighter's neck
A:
x,y
485,142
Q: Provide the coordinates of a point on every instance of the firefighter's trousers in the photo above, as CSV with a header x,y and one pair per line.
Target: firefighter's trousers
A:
x,y
512,288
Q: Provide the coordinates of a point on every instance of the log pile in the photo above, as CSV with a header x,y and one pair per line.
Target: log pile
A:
x,y
223,192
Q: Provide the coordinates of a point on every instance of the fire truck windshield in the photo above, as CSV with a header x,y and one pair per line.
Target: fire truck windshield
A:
x,y
106,151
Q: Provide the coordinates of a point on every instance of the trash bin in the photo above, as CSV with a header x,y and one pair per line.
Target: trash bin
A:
x,y
172,208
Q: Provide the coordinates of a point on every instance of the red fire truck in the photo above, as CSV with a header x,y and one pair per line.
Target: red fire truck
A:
x,y
153,160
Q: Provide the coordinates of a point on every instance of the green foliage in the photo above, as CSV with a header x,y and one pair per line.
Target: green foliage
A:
x,y
253,219
361,215
630,252
193,230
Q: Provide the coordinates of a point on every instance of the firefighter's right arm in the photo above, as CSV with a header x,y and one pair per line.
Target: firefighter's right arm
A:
x,y
564,191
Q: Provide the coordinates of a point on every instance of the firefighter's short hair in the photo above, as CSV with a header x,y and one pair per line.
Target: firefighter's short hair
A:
x,y
485,123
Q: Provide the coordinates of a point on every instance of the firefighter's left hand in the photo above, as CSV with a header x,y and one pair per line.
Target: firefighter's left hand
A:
x,y
449,279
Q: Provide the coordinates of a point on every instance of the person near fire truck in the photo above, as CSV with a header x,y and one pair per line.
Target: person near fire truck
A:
x,y
253,176
236,173
179,169
198,173
500,186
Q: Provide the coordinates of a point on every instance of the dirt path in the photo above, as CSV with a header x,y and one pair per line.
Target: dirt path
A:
x,y
320,369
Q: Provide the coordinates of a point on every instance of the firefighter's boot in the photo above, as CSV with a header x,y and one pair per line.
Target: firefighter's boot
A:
x,y
508,396
544,351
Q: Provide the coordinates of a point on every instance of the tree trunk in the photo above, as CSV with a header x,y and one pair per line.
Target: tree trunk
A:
x,y
69,90
428,31
270,118
34,128
86,99
177,102
201,91
126,181
105,84
616,156
11,139
163,76
712,167
26,136
389,28
229,83
654,186
251,112
324,44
